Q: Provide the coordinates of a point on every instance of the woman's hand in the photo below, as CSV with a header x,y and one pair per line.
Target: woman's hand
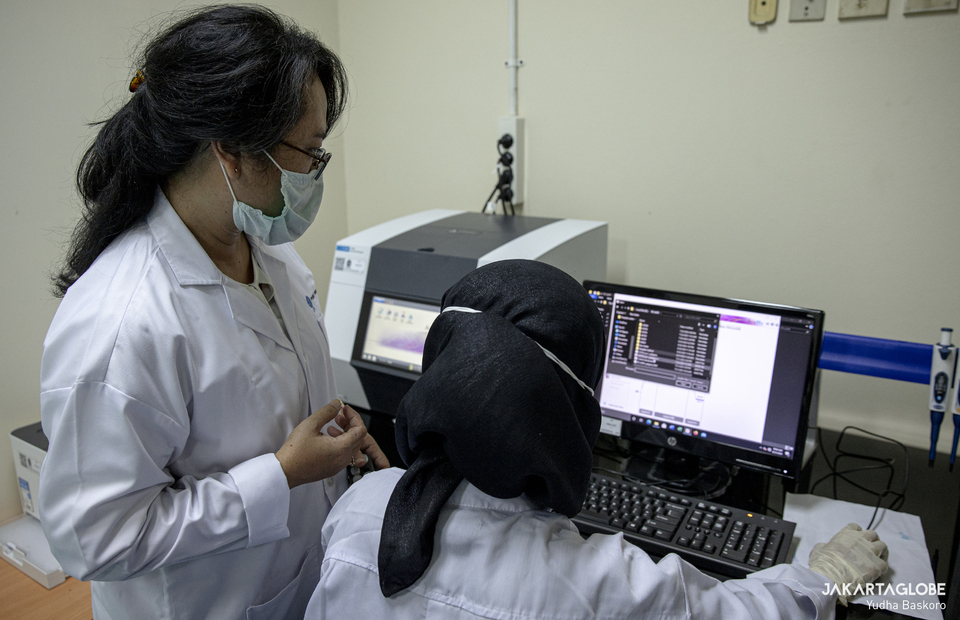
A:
x,y
853,557
309,455
368,447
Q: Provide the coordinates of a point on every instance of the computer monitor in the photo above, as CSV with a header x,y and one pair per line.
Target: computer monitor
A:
x,y
391,334
727,380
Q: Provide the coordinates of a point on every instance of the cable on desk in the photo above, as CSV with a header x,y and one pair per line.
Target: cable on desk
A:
x,y
879,464
767,509
712,480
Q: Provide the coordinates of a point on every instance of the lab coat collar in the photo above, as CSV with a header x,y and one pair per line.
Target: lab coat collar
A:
x,y
276,270
469,496
186,257
253,313
192,266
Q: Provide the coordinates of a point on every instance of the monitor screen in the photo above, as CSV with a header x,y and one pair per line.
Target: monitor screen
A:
x,y
392,331
724,379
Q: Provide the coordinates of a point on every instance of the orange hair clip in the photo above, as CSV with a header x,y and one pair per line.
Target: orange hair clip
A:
x,y
137,80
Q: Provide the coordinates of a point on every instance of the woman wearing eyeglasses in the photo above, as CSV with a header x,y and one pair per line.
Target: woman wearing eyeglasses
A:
x,y
196,443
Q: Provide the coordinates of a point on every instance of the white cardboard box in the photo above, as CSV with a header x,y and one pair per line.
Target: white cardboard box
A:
x,y
23,544
29,449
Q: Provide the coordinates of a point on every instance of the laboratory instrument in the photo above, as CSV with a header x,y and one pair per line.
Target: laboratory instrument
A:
x,y
387,283
941,376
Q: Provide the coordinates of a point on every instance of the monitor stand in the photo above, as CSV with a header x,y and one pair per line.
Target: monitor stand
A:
x,y
677,471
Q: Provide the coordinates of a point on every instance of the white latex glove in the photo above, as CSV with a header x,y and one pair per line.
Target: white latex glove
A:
x,y
853,557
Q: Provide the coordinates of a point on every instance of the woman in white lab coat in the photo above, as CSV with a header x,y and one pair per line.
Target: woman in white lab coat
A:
x,y
186,376
498,435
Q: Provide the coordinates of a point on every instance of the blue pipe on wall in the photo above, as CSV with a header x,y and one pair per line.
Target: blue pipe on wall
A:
x,y
876,357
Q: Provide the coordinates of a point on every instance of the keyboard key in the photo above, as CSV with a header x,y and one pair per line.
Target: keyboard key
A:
x,y
594,515
773,543
664,520
733,555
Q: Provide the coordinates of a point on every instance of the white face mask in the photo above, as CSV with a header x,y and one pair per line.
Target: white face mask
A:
x,y
301,202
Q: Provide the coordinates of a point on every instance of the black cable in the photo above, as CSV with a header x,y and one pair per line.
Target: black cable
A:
x,y
504,178
490,197
835,474
776,513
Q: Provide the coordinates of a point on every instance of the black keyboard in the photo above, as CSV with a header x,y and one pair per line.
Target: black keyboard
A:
x,y
715,538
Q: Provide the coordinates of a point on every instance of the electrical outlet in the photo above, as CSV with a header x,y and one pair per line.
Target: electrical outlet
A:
x,y
763,11
807,10
924,6
513,125
850,9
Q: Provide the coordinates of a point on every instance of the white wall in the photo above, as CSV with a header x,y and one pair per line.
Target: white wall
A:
x,y
811,164
66,64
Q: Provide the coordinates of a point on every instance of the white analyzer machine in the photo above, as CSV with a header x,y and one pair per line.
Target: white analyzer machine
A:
x,y
387,283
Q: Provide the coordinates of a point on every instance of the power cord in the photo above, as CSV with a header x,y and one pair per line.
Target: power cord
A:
x,y
711,480
504,178
878,463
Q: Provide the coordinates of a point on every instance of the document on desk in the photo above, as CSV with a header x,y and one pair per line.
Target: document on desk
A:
x,y
909,587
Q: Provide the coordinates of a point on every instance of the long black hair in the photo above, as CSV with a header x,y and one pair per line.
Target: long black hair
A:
x,y
233,74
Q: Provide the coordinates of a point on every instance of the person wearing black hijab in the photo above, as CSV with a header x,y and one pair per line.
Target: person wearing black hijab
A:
x,y
498,435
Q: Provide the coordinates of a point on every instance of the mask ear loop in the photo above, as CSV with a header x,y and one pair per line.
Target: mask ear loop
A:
x,y
553,358
230,187
282,171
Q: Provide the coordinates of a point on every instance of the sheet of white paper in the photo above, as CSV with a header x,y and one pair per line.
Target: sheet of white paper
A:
x,y
819,518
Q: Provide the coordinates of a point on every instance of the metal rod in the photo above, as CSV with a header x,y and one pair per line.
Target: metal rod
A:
x,y
513,62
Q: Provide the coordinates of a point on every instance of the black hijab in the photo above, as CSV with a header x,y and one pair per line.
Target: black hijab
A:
x,y
492,408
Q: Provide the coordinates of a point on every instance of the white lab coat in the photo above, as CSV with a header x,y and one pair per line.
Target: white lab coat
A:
x,y
166,388
504,559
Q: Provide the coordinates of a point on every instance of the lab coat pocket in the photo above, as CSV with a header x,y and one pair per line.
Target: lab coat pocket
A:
x,y
292,600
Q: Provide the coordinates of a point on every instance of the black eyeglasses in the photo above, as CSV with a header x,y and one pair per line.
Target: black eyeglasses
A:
x,y
320,158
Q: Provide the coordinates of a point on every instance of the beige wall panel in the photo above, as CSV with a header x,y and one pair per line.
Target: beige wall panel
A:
x,y
800,163
64,65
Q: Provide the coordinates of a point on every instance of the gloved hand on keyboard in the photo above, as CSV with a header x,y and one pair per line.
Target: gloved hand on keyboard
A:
x,y
853,557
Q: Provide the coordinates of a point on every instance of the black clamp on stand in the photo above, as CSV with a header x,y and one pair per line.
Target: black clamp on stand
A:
x,y
504,178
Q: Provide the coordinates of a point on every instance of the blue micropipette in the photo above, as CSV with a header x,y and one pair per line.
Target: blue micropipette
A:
x,y
955,407
941,376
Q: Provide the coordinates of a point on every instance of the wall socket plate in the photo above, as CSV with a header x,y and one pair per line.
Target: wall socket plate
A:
x,y
763,11
513,125
808,10
925,6
852,9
